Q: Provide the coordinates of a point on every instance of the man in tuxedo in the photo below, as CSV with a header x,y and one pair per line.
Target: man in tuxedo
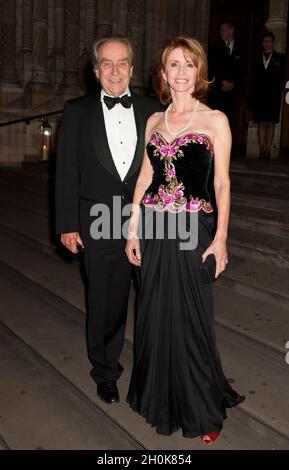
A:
x,y
226,69
100,151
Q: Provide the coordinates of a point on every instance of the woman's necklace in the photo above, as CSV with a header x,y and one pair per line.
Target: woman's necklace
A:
x,y
188,124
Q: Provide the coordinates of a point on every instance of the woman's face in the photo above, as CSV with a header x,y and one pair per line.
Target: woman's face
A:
x,y
180,72
267,44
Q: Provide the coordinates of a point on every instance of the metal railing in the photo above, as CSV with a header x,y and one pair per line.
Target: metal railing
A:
x,y
30,118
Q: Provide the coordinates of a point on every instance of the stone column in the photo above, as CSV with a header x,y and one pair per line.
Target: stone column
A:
x,y
87,76
9,87
120,17
27,25
104,18
202,25
59,39
71,40
155,34
27,39
90,23
136,10
277,22
194,20
39,46
59,26
173,18
188,17
8,41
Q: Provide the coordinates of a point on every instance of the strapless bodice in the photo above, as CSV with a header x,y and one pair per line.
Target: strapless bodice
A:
x,y
181,170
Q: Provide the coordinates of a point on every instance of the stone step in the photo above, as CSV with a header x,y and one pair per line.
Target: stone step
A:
x,y
266,220
56,333
37,203
268,283
16,207
36,227
244,214
263,185
265,305
263,247
259,202
54,413
32,183
256,181
260,178
37,231
272,167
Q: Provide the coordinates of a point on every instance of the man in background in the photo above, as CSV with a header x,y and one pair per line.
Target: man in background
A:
x,y
226,69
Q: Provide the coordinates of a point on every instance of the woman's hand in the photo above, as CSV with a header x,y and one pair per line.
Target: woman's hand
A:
x,y
219,249
132,250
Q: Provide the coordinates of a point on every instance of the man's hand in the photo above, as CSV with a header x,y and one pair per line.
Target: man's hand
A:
x,y
71,240
227,86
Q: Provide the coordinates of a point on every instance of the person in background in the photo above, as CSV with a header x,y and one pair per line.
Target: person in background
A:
x,y
225,59
268,81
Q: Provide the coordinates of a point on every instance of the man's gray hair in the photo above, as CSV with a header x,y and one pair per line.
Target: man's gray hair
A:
x,y
98,43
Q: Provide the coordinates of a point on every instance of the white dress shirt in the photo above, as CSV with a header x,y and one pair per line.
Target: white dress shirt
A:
x,y
121,134
266,61
230,45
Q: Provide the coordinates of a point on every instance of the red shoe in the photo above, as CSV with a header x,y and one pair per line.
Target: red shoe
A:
x,y
209,439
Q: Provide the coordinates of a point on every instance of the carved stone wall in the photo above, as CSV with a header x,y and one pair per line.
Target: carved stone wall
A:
x,y
46,45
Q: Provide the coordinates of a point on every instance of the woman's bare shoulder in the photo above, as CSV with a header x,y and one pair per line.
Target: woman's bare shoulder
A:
x,y
152,123
153,120
214,115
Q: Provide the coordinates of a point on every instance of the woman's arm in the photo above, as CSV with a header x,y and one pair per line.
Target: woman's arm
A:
x,y
144,180
222,152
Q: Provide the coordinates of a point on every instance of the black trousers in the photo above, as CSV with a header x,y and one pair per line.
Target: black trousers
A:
x,y
108,281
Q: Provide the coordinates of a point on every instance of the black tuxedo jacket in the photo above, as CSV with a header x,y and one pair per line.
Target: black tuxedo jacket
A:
x,y
224,66
84,167
273,77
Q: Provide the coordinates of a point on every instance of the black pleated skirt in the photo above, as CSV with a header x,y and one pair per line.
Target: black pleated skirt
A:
x,y
177,380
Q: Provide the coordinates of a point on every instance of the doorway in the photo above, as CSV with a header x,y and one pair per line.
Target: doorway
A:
x,y
249,19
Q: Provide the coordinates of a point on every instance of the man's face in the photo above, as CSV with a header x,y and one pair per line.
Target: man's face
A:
x,y
114,69
226,32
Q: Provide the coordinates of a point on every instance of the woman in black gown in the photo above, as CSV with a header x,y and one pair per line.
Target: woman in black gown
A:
x,y
177,380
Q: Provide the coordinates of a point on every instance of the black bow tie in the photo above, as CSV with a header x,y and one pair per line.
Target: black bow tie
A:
x,y
111,101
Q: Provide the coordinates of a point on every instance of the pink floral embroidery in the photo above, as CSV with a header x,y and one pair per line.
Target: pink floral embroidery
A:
x,y
171,196
181,141
171,173
155,141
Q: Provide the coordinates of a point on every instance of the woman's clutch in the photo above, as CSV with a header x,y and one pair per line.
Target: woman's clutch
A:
x,y
208,269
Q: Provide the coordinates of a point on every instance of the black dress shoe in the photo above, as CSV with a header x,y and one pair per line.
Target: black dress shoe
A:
x,y
108,392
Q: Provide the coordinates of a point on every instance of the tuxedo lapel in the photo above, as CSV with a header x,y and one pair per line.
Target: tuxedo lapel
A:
x,y
140,129
99,138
